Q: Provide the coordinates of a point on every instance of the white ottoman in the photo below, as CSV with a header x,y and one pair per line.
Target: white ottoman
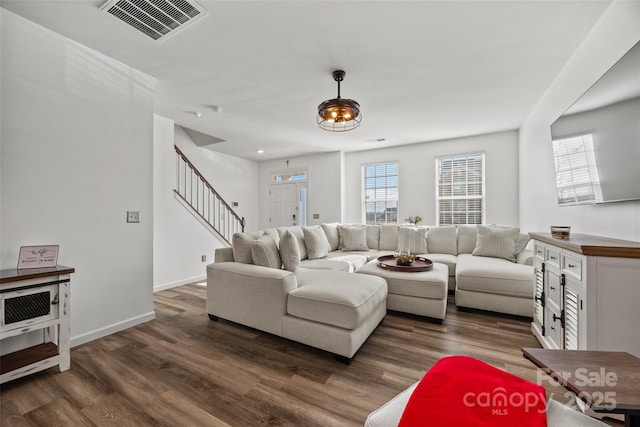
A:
x,y
422,292
558,415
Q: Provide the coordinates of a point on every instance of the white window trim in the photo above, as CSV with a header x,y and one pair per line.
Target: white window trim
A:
x,y
483,198
363,199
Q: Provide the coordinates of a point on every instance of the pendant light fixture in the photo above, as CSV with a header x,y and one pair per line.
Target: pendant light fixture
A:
x,y
338,114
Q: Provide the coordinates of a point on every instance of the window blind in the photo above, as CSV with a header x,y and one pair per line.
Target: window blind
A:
x,y
460,189
380,193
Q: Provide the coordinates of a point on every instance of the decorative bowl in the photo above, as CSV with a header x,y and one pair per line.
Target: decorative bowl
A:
x,y
404,258
562,232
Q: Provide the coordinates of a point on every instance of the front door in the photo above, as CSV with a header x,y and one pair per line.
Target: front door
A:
x,y
283,205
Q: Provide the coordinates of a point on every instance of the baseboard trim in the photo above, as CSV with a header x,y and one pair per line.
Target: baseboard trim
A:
x,y
111,329
179,283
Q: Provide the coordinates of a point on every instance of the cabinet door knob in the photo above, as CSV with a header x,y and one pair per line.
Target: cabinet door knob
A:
x,y
571,266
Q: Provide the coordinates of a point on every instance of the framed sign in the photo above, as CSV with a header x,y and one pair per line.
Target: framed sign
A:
x,y
38,256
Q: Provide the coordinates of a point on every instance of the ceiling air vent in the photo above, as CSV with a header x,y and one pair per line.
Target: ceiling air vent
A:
x,y
158,19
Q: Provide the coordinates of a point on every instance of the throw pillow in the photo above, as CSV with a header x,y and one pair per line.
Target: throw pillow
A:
x,y
265,252
412,240
354,238
316,242
522,240
273,233
331,231
299,235
495,242
289,251
241,244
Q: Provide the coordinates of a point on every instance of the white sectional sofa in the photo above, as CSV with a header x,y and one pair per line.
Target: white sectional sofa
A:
x,y
299,282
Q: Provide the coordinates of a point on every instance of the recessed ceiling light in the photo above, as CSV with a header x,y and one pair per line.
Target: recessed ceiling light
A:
x,y
215,108
376,140
259,151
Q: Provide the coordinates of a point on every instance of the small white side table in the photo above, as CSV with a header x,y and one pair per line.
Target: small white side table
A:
x,y
35,300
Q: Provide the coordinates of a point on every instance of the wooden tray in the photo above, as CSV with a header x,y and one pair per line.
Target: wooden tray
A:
x,y
388,262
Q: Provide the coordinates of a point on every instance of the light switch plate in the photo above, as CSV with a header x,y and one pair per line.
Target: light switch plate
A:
x,y
133,216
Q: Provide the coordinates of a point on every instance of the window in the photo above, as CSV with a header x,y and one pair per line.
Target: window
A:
x,y
380,193
460,190
289,176
577,178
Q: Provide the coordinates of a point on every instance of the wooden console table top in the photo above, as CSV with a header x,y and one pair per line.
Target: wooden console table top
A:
x,y
15,275
589,245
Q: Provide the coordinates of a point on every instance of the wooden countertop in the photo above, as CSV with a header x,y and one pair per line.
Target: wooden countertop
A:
x,y
589,245
14,275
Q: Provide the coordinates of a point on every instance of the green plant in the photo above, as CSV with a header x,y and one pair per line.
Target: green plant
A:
x,y
414,219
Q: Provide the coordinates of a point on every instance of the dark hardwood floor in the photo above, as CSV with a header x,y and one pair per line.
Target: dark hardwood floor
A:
x,y
183,369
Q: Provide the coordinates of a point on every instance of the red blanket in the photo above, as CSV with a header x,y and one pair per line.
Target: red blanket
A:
x,y
461,391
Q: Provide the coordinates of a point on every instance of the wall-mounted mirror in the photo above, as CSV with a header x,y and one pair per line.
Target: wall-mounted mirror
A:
x,y
596,142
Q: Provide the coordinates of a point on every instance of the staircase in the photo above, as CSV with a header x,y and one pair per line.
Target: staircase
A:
x,y
199,196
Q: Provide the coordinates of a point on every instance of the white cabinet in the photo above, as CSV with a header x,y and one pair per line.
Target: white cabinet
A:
x,y
37,302
587,293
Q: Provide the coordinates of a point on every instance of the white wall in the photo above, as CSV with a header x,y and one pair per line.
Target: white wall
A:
x,y
324,185
614,34
77,153
417,176
179,239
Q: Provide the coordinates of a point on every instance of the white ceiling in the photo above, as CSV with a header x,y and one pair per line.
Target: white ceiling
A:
x,y
421,70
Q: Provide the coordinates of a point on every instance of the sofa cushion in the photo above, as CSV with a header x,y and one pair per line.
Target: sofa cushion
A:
x,y
442,239
373,236
338,261
336,298
296,231
326,264
264,252
368,255
315,241
289,251
496,242
241,243
467,235
447,259
412,239
494,276
388,237
355,260
331,231
353,238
